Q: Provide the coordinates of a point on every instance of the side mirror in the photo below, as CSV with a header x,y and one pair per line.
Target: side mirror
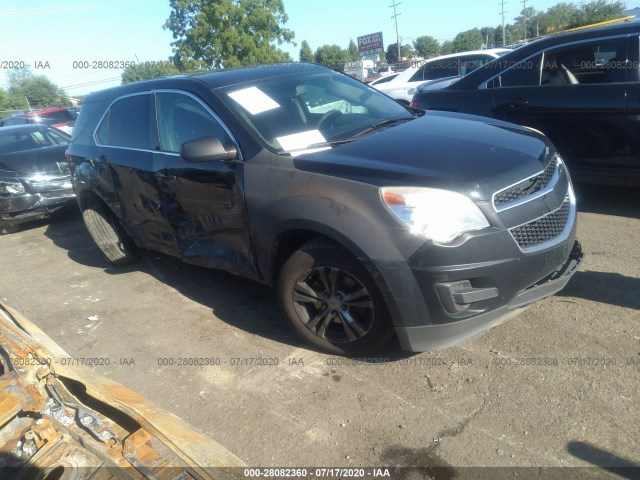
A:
x,y
206,149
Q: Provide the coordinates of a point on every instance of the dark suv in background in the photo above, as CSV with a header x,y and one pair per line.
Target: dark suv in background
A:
x,y
366,216
581,89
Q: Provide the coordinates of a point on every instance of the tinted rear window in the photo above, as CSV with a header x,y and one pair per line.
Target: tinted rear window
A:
x,y
129,123
54,118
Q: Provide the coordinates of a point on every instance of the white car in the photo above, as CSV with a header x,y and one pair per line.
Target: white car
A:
x,y
384,79
435,68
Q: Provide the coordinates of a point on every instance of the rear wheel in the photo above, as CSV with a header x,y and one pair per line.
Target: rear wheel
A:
x,y
331,301
7,229
109,235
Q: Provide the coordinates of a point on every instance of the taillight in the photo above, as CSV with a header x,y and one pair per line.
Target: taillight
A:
x,y
415,104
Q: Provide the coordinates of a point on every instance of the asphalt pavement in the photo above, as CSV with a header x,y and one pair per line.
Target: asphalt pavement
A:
x,y
555,387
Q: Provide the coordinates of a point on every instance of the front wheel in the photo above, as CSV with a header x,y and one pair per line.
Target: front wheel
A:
x,y
331,301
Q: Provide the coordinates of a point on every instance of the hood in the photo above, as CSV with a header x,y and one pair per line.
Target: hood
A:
x,y
61,419
39,160
447,150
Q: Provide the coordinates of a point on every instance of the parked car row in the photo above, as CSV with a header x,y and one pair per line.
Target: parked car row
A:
x,y
368,217
402,86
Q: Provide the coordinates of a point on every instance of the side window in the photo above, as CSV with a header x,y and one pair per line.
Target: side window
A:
x,y
600,61
419,75
181,119
103,131
523,74
129,123
469,63
447,67
39,139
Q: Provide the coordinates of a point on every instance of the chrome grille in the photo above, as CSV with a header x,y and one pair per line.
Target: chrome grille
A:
x,y
526,187
544,228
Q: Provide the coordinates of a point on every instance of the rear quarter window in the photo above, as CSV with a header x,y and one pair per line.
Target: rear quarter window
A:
x,y
128,123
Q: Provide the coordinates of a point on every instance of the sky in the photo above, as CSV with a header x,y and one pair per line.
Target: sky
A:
x,y
59,38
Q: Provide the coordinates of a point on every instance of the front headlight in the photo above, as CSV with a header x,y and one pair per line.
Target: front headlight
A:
x,y
8,188
440,215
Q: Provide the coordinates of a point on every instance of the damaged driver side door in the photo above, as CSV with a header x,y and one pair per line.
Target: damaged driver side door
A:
x,y
203,198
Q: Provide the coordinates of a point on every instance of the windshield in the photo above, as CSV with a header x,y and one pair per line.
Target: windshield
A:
x,y
307,108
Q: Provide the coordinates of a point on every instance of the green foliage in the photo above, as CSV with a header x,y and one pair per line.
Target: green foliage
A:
x,y
148,70
489,36
392,53
27,90
228,33
469,40
354,54
447,47
560,17
597,11
407,51
306,54
332,55
427,46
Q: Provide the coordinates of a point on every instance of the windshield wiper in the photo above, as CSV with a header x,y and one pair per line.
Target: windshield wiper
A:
x,y
351,138
380,124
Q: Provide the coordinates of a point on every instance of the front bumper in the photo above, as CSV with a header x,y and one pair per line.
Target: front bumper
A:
x,y
487,271
26,207
437,336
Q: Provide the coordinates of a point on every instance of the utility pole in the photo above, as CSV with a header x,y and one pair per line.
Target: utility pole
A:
x,y
502,2
395,18
524,16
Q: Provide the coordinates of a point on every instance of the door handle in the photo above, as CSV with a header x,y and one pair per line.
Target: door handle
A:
x,y
518,102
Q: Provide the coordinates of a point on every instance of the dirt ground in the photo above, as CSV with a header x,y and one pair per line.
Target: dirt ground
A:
x,y
554,387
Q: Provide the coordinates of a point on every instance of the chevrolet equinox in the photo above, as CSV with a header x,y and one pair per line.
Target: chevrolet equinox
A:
x,y
367,217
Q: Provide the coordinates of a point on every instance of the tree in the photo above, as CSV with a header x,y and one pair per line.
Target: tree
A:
x,y
332,56
354,54
228,33
426,46
527,18
447,47
306,54
407,51
392,53
27,90
469,40
597,11
489,36
148,70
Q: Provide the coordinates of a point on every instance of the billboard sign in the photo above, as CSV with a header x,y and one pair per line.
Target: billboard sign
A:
x,y
370,44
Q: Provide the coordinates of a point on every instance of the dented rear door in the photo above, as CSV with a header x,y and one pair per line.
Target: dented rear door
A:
x,y
203,202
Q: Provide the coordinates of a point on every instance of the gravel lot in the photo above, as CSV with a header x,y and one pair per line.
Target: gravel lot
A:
x,y
479,404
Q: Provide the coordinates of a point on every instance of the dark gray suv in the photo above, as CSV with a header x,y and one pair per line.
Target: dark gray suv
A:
x,y
368,218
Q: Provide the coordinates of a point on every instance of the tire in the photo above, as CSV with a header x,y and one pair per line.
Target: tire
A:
x,y
109,236
7,229
331,301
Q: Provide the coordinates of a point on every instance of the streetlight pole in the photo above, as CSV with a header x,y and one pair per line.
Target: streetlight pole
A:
x,y
504,40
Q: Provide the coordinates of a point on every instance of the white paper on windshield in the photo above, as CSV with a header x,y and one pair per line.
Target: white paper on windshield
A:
x,y
300,141
254,100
